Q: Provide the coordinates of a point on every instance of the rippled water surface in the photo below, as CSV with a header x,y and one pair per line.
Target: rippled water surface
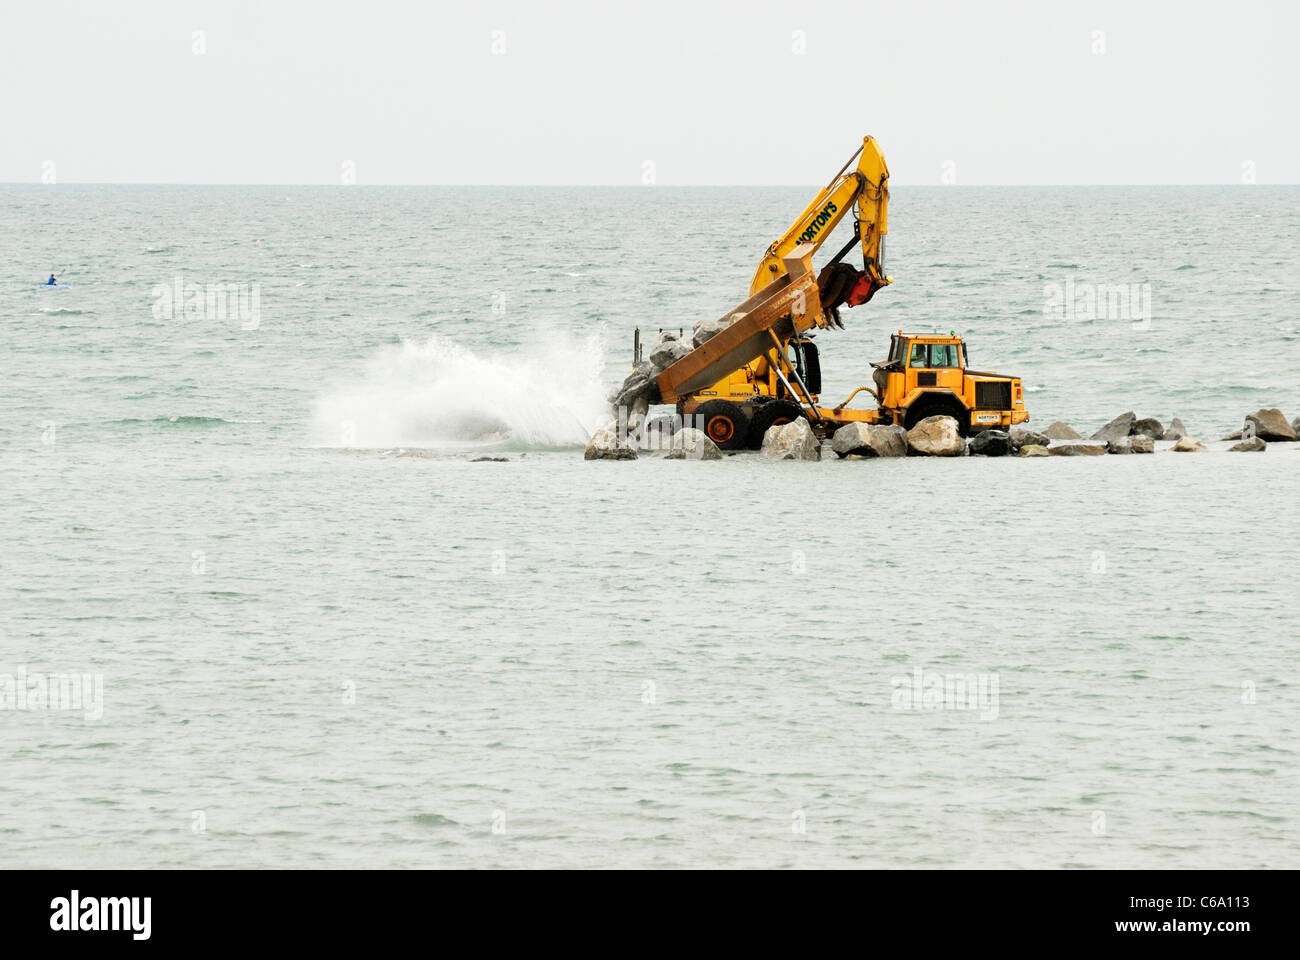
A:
x,y
328,638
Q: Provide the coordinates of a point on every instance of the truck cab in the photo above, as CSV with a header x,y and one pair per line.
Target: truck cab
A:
x,y
928,375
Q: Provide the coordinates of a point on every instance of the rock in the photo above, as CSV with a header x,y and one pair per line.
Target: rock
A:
x,y
866,440
691,444
1253,445
849,438
1121,426
1176,430
606,444
1295,425
1076,448
888,440
1060,431
1137,443
1034,450
636,415
1188,445
936,437
1147,427
1023,436
490,460
1271,425
668,350
792,441
706,329
991,443
639,383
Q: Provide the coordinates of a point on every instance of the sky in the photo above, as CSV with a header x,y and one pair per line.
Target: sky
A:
x,y
674,93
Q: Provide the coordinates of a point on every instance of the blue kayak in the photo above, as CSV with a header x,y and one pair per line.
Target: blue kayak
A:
x,y
56,286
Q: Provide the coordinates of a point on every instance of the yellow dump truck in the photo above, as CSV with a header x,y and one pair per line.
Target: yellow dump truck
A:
x,y
762,367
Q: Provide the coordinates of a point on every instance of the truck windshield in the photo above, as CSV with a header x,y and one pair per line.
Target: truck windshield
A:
x,y
944,355
933,355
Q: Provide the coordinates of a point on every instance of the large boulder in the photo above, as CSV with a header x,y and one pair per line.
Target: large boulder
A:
x,y
936,437
609,443
1121,426
707,329
1076,448
850,438
1188,445
870,440
1271,425
1147,427
636,415
691,444
991,443
639,383
1295,425
1253,445
1061,431
1137,443
1175,431
1034,450
792,441
1023,436
668,350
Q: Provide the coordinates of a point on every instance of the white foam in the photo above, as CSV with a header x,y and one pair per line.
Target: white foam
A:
x,y
439,393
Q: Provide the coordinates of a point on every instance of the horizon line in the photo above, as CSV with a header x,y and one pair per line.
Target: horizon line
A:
x,y
629,186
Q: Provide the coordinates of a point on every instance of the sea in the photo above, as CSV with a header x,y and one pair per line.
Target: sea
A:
x,y
264,604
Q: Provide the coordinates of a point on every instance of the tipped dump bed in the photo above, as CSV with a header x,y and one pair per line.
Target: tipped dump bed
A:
x,y
787,306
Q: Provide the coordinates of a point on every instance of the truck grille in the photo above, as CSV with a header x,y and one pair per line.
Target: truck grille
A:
x,y
993,395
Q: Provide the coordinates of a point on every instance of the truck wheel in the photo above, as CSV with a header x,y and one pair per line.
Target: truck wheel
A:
x,y
769,415
923,408
725,424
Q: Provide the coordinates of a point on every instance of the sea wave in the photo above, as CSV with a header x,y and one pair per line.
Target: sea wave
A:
x,y
548,394
179,420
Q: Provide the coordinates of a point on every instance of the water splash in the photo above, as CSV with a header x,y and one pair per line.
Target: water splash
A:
x,y
440,393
